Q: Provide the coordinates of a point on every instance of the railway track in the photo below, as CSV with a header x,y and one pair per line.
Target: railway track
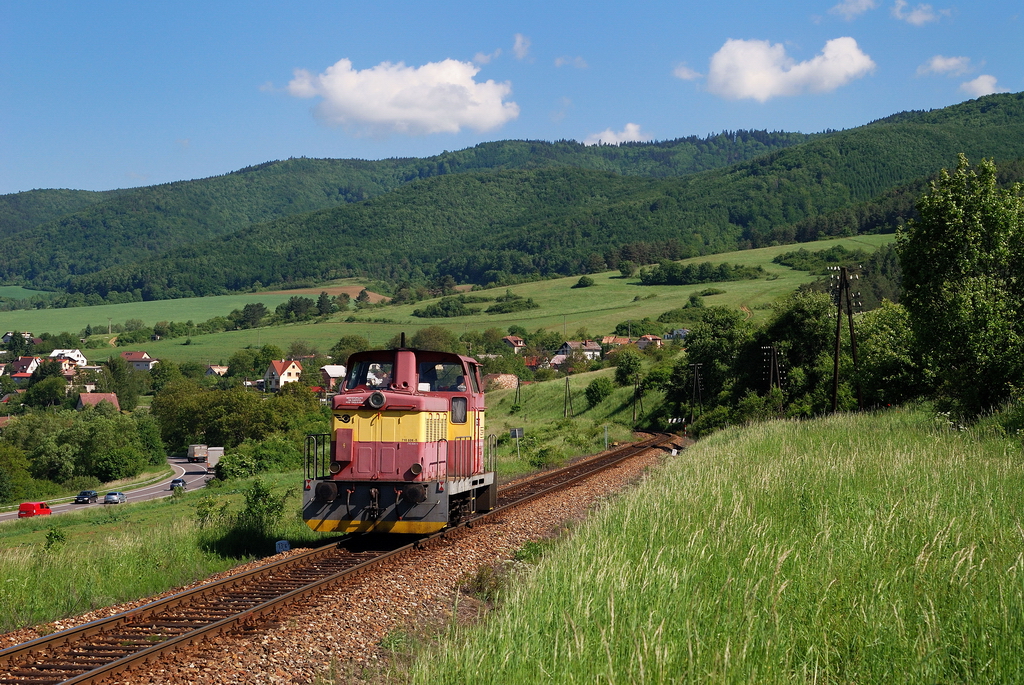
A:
x,y
95,651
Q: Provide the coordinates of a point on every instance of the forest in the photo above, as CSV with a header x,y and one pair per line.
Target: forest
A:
x,y
498,213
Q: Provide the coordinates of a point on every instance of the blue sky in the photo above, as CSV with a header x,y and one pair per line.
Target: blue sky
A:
x,y
117,94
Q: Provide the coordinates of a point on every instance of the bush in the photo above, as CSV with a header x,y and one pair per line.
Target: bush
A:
x,y
584,282
546,457
598,390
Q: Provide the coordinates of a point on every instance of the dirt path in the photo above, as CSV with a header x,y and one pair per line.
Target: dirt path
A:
x,y
746,310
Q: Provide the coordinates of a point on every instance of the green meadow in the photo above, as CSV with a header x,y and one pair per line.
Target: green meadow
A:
x,y
850,549
611,300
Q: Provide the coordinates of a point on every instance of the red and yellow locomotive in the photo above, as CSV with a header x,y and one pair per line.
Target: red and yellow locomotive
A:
x,y
406,453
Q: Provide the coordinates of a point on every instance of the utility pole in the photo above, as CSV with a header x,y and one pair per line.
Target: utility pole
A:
x,y
696,391
567,410
843,293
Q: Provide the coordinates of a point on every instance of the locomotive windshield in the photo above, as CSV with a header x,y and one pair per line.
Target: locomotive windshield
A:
x,y
441,377
369,373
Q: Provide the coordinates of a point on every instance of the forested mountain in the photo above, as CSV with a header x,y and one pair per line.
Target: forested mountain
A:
x,y
66,239
22,211
508,209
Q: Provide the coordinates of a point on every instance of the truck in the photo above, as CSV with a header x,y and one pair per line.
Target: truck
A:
x,y
205,455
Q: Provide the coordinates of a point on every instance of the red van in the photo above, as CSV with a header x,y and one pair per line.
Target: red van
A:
x,y
33,509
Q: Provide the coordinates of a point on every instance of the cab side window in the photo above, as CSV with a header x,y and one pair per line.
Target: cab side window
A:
x,y
459,409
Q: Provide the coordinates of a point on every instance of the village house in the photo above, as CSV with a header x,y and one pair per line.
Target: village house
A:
x,y
74,356
515,342
141,361
332,375
91,399
645,341
216,370
678,334
615,341
280,373
10,334
590,349
21,369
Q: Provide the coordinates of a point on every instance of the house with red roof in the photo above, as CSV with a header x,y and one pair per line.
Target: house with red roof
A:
x,y
91,399
280,373
141,361
515,342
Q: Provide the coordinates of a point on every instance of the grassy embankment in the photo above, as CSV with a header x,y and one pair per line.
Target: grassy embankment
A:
x,y
861,548
598,308
540,415
57,566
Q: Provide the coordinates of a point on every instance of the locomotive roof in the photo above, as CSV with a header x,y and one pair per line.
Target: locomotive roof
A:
x,y
426,355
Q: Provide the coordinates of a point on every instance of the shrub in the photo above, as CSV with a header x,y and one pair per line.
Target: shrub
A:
x,y
598,390
584,282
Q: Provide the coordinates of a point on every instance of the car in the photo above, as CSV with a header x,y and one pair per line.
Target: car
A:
x,y
86,497
33,509
179,483
115,498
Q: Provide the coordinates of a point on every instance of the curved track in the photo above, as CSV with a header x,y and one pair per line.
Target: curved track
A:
x,y
94,651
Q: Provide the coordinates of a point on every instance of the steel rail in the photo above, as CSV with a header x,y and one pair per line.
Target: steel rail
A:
x,y
139,616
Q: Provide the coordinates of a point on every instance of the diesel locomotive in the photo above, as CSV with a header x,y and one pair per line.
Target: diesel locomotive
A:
x,y
406,452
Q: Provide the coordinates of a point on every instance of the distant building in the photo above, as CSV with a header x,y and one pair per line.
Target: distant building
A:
x,y
616,341
216,370
280,373
75,356
678,334
515,342
590,349
332,375
645,341
497,381
22,367
141,361
10,334
91,399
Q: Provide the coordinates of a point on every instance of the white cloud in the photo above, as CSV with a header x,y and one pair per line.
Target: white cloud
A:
x,y
684,72
438,97
484,58
759,70
851,9
577,62
922,14
983,85
629,134
951,66
521,48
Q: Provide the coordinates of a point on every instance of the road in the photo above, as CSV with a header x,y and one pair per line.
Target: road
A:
x,y
194,474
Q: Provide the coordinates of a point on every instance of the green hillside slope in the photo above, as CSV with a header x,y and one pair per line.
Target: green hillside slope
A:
x,y
146,222
483,227
23,211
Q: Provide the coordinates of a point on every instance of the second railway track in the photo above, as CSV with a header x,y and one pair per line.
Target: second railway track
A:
x,y
95,651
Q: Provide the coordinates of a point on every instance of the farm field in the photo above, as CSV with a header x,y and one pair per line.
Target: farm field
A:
x,y
853,548
598,308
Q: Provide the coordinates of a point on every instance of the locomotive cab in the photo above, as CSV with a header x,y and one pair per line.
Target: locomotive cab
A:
x,y
406,452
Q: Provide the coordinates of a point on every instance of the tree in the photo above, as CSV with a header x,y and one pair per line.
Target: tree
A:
x,y
598,390
962,264
584,282
347,346
49,392
121,378
629,364
627,268
324,304
252,314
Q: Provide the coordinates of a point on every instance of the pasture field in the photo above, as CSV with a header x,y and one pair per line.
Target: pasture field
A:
x,y
598,308
17,292
865,548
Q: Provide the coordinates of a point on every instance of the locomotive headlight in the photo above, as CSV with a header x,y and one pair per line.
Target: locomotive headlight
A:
x,y
335,466
376,399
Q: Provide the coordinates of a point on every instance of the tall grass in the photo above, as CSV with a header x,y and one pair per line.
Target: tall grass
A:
x,y
45,582
850,549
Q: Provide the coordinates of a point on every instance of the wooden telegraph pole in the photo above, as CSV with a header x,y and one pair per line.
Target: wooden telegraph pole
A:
x,y
843,293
